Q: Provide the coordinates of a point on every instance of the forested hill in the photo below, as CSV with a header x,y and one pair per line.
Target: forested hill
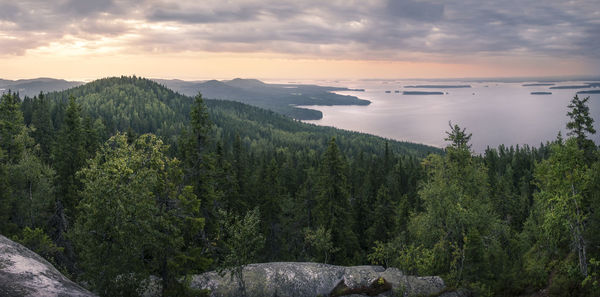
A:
x,y
241,185
32,87
281,98
148,107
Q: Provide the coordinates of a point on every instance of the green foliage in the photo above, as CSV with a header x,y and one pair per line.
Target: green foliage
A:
x,y
39,242
581,123
333,203
564,181
32,188
12,128
241,238
69,156
458,226
42,127
459,139
135,218
124,102
510,222
320,241
242,241
384,253
384,216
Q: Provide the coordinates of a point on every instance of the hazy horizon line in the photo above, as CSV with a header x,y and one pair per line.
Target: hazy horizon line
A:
x,y
550,78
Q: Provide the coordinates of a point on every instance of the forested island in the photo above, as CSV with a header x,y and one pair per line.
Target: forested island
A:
x,y
122,179
589,92
541,93
570,87
439,86
538,84
421,93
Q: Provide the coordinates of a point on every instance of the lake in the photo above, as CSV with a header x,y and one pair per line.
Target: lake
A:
x,y
494,112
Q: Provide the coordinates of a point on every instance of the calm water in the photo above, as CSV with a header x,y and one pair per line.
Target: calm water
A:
x,y
496,113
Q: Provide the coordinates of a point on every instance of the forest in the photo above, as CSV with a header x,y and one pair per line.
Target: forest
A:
x,y
121,179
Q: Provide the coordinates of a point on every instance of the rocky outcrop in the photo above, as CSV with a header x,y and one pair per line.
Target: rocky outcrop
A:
x,y
25,273
311,279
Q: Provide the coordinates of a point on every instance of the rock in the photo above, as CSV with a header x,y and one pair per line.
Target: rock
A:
x,y
457,293
312,279
25,273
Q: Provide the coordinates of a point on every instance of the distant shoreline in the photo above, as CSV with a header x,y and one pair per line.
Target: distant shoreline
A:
x,y
439,86
421,93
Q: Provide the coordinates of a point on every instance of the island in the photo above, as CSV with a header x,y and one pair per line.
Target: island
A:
x,y
439,86
571,87
589,92
421,93
538,85
541,93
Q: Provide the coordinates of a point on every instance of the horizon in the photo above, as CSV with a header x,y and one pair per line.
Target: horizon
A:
x,y
507,79
310,40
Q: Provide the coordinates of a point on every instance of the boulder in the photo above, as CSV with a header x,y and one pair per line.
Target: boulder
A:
x,y
312,279
25,273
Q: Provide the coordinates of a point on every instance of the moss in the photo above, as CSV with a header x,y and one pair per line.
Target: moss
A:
x,y
377,287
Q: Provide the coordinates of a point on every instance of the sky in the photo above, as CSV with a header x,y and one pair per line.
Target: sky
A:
x,y
303,39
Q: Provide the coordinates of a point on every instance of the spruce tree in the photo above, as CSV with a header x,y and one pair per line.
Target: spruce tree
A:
x,y
333,204
41,120
12,128
581,125
199,163
69,156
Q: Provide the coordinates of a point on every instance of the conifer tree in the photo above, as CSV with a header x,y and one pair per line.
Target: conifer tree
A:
x,y
137,219
581,125
12,128
68,157
333,204
199,162
41,120
565,181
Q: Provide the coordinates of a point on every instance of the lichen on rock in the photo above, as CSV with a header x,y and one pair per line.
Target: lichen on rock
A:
x,y
25,273
313,279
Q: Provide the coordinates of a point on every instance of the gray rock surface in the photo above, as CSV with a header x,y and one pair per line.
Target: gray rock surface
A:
x,y
25,273
293,279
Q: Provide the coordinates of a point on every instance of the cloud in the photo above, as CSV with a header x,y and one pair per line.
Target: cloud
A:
x,y
377,29
417,10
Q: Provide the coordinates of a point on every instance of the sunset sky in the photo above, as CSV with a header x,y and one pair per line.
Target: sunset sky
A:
x,y
304,39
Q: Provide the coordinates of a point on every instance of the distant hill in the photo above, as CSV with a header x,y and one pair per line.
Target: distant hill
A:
x,y
146,106
32,87
281,98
